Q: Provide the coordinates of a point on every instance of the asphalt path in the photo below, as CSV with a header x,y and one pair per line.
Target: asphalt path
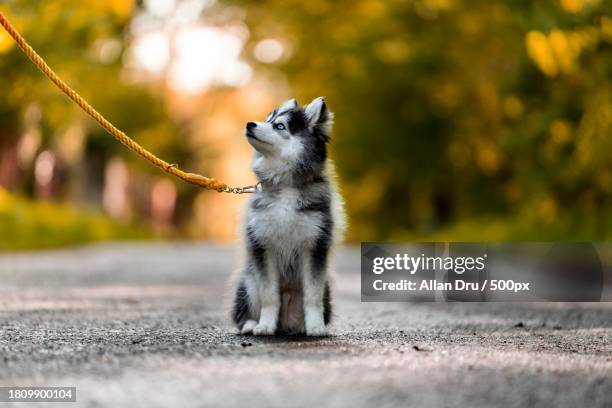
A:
x,y
147,325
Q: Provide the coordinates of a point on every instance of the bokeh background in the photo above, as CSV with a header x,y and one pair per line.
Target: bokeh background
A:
x,y
456,120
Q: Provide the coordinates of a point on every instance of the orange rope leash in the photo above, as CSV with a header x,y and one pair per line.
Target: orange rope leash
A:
x,y
198,180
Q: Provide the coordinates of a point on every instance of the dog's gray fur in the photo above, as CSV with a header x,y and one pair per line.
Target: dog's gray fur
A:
x,y
291,224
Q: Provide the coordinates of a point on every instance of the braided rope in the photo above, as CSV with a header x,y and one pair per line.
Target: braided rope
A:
x,y
205,182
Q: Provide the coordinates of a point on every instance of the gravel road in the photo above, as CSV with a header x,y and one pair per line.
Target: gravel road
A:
x,y
146,325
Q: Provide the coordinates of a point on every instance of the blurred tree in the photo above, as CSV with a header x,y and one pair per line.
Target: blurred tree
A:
x,y
458,119
84,43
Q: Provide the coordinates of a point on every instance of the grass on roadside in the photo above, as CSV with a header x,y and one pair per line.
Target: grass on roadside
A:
x,y
26,224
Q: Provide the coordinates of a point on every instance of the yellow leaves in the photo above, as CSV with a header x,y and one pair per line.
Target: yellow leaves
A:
x,y
606,28
559,50
392,51
572,6
6,42
442,4
429,9
53,10
513,192
485,154
593,142
541,53
352,66
547,209
560,132
6,200
446,94
372,8
71,143
316,7
122,8
345,33
488,158
575,6
487,95
605,181
369,192
513,107
459,154
564,53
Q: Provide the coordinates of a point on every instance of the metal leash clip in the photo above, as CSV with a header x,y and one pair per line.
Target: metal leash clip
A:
x,y
244,190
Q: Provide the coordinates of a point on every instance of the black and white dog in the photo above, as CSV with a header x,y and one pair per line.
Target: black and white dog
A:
x,y
291,224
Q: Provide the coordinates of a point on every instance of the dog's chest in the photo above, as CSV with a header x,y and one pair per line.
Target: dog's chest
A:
x,y
278,219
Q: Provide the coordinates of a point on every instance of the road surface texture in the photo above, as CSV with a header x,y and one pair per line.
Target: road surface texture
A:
x,y
146,325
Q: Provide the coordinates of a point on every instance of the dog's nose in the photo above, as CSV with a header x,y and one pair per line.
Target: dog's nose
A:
x,y
251,125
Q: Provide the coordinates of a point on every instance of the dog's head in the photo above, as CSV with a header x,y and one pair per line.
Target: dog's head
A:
x,y
291,145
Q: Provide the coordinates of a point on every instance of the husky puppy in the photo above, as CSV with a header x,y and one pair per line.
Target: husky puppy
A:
x,y
290,226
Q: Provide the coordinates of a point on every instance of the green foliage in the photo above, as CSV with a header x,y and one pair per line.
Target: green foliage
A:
x,y
455,112
455,119
69,35
27,224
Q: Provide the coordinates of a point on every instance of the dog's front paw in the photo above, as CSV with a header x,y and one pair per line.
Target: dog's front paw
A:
x,y
264,329
313,320
315,327
316,331
248,327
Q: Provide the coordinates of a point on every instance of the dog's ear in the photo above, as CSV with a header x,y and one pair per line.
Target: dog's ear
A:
x,y
290,104
318,115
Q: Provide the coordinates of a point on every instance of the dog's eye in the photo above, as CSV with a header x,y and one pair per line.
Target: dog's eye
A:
x,y
279,126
